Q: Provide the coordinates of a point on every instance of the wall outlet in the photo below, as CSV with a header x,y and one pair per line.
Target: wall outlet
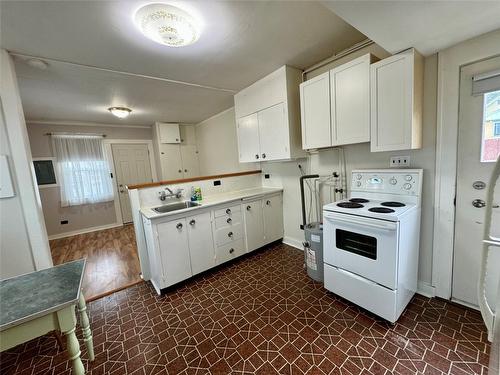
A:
x,y
64,222
217,183
267,175
399,161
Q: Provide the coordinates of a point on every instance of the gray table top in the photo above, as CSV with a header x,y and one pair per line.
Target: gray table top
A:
x,y
30,296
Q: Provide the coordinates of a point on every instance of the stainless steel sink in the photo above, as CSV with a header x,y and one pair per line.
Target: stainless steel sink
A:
x,y
175,206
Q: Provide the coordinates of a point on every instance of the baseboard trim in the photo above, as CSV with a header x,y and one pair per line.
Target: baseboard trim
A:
x,y
426,289
83,231
293,242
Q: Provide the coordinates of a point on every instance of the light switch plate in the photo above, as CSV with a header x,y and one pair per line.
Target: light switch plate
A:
x,y
399,161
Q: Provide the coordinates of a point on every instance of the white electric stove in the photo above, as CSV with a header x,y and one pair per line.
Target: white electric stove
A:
x,y
371,240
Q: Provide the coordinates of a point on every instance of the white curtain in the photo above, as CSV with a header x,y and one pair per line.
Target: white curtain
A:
x,y
83,171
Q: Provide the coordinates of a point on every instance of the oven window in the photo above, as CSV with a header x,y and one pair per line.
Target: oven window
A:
x,y
356,243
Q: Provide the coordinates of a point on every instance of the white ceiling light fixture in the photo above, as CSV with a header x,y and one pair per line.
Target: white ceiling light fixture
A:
x,y
167,25
120,112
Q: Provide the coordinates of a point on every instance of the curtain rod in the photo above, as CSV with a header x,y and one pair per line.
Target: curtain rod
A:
x,y
76,134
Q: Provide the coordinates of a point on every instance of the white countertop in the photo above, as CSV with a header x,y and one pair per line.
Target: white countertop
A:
x,y
211,200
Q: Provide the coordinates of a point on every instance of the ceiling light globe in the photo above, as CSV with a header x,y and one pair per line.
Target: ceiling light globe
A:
x,y
167,25
120,112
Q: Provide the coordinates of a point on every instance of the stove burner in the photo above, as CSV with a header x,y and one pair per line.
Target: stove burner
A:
x,y
358,200
381,210
349,205
392,204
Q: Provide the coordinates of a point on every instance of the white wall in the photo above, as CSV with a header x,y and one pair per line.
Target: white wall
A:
x,y
218,147
23,243
358,157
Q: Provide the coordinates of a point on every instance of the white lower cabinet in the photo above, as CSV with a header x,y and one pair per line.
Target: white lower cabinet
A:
x,y
174,251
182,246
201,249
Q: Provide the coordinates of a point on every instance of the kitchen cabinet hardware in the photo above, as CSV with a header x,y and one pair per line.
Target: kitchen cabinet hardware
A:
x,y
268,202
185,170
249,208
263,156
192,222
231,250
230,234
180,170
228,211
179,226
229,220
256,156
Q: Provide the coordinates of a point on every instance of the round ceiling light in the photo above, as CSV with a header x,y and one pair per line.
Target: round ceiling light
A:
x,y
120,112
167,24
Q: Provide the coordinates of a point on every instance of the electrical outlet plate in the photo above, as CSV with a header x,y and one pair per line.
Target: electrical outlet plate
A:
x,y
399,161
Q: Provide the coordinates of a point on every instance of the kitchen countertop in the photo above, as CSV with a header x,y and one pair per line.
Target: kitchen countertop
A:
x,y
29,296
212,200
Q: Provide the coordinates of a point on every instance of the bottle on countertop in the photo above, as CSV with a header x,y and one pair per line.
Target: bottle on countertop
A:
x,y
193,194
198,193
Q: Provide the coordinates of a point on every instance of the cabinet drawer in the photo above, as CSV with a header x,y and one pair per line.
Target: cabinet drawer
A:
x,y
230,251
228,234
228,220
227,211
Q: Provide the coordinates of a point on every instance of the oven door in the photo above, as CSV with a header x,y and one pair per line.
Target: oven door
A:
x,y
364,246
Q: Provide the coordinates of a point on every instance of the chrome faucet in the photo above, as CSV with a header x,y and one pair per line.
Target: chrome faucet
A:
x,y
177,194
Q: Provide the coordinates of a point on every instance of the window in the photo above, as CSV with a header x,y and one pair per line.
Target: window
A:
x,y
491,127
83,171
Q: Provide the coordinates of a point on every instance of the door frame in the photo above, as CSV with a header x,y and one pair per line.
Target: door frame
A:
x,y
450,62
108,153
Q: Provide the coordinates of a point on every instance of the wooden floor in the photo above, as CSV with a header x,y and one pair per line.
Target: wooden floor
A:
x,y
112,260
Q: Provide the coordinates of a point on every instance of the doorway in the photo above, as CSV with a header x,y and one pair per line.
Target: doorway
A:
x,y
478,149
132,165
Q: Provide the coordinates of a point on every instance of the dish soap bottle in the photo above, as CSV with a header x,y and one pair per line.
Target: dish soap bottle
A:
x,y
193,194
197,192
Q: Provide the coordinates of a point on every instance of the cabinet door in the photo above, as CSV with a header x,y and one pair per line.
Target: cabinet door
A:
x,y
169,133
315,112
273,218
174,250
391,103
254,225
248,138
201,244
273,133
171,162
190,165
350,102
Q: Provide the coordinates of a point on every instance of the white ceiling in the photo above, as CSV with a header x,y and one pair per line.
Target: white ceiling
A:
x,y
242,41
429,26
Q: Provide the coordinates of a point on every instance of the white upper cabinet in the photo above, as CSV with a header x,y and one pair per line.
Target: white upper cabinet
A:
x,y
315,112
169,133
335,106
267,117
350,101
396,102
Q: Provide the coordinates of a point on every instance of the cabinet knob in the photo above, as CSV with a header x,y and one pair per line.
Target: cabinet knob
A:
x,y
263,156
268,202
231,251
185,170
249,208
180,170
179,226
192,222
230,234
228,211
256,156
229,220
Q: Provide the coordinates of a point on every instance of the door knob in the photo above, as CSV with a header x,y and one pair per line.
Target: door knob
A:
x,y
478,203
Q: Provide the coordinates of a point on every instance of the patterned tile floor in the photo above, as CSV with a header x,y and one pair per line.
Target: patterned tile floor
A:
x,y
262,315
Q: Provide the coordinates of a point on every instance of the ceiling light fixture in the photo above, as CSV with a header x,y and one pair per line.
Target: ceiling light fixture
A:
x,y
167,24
120,112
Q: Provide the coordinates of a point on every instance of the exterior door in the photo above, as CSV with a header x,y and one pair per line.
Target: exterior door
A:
x,y
273,133
478,147
132,166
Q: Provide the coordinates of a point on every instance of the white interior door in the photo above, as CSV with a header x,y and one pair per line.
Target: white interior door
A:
x,y
478,142
132,166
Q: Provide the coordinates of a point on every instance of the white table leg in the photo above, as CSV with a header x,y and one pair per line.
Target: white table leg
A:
x,y
74,352
84,321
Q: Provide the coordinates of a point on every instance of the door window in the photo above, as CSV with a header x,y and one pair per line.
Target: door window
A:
x,y
491,127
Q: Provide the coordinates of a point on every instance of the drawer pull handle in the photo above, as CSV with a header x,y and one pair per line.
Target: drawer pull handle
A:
x,y
230,234
229,220
192,222
231,251
179,226
249,208
268,203
228,211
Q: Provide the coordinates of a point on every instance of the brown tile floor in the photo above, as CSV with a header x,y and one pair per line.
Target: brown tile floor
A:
x,y
262,315
112,260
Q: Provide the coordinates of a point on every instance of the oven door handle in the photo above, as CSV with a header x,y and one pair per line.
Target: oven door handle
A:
x,y
360,221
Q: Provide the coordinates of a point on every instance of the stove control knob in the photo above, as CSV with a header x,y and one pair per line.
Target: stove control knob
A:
x,y
408,177
359,176
407,186
393,181
358,184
